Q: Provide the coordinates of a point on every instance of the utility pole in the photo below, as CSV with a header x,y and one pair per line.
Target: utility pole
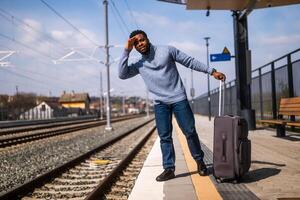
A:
x,y
208,82
101,97
123,104
147,103
17,90
108,117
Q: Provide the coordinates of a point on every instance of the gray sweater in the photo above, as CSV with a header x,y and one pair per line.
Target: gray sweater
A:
x,y
159,71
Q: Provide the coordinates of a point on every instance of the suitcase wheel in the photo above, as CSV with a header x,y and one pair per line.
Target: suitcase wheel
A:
x,y
219,180
222,180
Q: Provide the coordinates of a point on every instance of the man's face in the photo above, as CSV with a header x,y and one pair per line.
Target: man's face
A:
x,y
141,43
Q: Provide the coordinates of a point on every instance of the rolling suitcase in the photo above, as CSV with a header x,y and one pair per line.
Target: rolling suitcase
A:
x,y
232,148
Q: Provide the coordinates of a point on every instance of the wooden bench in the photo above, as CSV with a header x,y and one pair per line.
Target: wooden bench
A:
x,y
288,107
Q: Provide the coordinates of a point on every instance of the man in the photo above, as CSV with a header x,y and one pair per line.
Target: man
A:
x,y
159,72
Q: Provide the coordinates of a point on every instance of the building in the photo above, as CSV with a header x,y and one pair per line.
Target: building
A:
x,y
44,110
76,101
133,111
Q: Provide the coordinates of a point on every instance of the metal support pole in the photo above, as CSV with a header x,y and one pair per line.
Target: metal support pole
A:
x,y
208,81
147,104
123,104
290,80
274,101
290,76
260,94
230,98
108,116
101,97
243,69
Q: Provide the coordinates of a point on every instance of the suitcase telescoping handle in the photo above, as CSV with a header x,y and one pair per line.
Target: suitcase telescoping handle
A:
x,y
221,98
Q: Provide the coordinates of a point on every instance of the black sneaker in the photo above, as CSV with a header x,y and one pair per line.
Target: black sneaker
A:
x,y
202,169
166,175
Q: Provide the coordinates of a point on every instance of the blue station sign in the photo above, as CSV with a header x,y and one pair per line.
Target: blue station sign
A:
x,y
220,57
224,56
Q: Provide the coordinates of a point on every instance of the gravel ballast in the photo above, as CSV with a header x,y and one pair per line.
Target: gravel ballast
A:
x,y
30,160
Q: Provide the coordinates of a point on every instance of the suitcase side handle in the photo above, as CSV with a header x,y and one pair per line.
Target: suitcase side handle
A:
x,y
224,138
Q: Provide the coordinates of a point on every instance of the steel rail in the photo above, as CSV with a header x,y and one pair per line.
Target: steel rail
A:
x,y
27,187
4,142
38,125
100,190
42,126
20,123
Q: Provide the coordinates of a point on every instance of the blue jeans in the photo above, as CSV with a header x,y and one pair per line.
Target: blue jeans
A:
x,y
186,122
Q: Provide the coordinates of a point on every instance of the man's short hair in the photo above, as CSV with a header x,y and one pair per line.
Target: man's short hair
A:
x,y
136,32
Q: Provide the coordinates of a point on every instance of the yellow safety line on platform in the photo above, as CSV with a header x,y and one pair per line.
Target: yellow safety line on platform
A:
x,y
204,187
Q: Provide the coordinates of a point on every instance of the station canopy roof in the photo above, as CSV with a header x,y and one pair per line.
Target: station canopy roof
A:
x,y
231,4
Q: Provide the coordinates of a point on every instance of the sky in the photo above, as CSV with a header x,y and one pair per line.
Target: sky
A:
x,y
40,32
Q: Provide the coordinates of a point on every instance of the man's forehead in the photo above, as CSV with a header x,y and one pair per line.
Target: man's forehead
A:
x,y
139,36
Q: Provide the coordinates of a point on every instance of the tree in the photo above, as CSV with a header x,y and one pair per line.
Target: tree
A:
x,y
19,103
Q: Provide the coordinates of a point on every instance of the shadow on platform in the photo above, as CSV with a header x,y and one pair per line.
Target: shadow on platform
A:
x,y
185,174
267,163
259,174
251,176
291,137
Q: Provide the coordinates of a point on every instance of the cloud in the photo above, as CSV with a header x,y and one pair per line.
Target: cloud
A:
x,y
32,34
188,47
160,23
83,41
269,37
61,35
192,28
75,39
80,76
37,38
156,20
280,40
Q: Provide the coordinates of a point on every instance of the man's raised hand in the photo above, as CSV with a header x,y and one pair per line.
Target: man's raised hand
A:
x,y
130,43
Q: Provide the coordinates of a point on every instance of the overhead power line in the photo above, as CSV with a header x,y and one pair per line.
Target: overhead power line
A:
x,y
6,18
121,18
68,22
52,78
26,77
28,26
126,33
131,14
25,45
1,45
44,84
73,26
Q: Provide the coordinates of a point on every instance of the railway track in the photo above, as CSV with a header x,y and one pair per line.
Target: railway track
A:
x,y
23,123
92,174
32,127
27,134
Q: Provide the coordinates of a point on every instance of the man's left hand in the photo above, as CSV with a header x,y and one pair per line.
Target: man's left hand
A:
x,y
219,76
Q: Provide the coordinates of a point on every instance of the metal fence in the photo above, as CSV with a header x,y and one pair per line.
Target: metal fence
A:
x,y
269,84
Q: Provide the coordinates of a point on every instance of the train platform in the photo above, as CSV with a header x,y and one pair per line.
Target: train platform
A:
x,y
274,172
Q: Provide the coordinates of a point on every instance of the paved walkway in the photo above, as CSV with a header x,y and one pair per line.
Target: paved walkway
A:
x,y
274,173
275,168
147,188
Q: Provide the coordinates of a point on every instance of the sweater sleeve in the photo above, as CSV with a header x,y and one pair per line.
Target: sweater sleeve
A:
x,y
126,71
189,61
